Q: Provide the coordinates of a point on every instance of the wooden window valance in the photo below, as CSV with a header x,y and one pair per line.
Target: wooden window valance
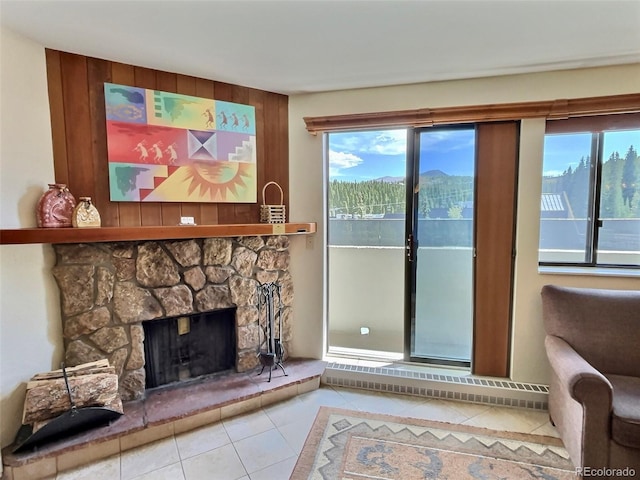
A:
x,y
422,117
595,123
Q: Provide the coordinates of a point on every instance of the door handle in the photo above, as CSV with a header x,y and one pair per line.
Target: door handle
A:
x,y
409,248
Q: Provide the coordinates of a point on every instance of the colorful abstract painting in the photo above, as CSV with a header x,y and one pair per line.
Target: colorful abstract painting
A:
x,y
166,147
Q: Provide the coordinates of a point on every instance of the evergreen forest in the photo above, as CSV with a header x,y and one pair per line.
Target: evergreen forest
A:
x,y
620,191
360,199
620,196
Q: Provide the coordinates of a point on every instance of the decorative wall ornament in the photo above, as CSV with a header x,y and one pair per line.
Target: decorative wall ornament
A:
x,y
167,147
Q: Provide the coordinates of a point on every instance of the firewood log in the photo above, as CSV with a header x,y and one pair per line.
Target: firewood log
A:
x,y
49,398
100,366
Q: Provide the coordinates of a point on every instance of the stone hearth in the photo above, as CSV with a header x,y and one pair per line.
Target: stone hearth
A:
x,y
109,289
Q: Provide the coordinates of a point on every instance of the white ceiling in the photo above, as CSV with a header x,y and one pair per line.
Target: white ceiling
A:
x,y
299,46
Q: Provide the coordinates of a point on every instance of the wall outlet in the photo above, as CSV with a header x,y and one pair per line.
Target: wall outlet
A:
x,y
187,221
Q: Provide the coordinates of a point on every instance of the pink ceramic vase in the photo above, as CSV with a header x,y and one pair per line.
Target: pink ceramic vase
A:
x,y
55,207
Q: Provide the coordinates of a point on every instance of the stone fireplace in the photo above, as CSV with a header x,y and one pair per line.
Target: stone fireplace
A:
x,y
109,289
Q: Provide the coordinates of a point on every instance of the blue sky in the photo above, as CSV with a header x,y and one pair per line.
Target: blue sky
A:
x,y
564,150
368,155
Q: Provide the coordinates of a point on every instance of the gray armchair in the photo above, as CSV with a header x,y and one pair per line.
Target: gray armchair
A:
x,y
593,346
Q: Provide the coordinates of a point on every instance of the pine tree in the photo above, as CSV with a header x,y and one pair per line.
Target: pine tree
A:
x,y
610,198
455,211
578,189
629,181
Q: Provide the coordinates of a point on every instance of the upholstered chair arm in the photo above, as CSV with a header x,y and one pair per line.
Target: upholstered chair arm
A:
x,y
581,408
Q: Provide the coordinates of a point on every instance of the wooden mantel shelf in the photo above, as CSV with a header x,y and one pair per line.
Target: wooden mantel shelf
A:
x,y
121,234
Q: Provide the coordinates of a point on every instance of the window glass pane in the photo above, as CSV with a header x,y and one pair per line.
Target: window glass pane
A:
x,y
365,255
443,319
564,204
367,171
619,235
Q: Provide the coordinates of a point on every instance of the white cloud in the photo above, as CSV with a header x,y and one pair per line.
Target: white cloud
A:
x,y
441,140
341,160
381,142
390,142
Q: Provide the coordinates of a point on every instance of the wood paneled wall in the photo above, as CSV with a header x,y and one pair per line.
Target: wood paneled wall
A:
x,y
76,98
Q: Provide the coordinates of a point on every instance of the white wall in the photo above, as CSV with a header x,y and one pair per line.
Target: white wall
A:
x,y
30,328
307,252
306,196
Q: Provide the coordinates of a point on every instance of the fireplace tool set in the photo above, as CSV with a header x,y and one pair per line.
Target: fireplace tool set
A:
x,y
271,350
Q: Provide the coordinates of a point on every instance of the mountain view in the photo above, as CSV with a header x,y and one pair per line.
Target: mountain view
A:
x,y
387,195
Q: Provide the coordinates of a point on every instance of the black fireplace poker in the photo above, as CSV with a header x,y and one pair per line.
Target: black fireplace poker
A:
x,y
271,350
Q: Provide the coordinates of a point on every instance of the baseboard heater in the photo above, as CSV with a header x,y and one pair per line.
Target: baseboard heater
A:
x,y
491,391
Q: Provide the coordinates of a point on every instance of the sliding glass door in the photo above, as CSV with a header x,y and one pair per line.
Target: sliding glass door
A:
x,y
440,232
401,243
366,205
421,231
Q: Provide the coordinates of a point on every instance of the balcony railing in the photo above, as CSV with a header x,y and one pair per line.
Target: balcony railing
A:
x,y
366,261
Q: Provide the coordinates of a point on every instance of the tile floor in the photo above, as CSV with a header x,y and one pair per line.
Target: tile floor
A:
x,y
264,445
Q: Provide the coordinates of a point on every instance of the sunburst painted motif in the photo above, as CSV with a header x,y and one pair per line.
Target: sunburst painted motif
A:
x,y
219,179
207,182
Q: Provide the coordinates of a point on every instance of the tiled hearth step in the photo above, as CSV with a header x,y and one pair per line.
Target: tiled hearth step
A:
x,y
166,412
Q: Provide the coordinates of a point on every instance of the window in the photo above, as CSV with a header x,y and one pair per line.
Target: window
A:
x,y
590,205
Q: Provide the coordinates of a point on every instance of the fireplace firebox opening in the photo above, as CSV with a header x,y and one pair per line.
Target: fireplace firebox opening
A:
x,y
189,346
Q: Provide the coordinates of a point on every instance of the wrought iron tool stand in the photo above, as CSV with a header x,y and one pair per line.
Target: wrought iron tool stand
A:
x,y
271,350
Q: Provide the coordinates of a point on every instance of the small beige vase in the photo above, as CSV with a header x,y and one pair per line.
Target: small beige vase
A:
x,y
85,214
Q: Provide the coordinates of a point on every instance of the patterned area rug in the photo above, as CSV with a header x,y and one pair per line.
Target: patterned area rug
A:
x,y
345,444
